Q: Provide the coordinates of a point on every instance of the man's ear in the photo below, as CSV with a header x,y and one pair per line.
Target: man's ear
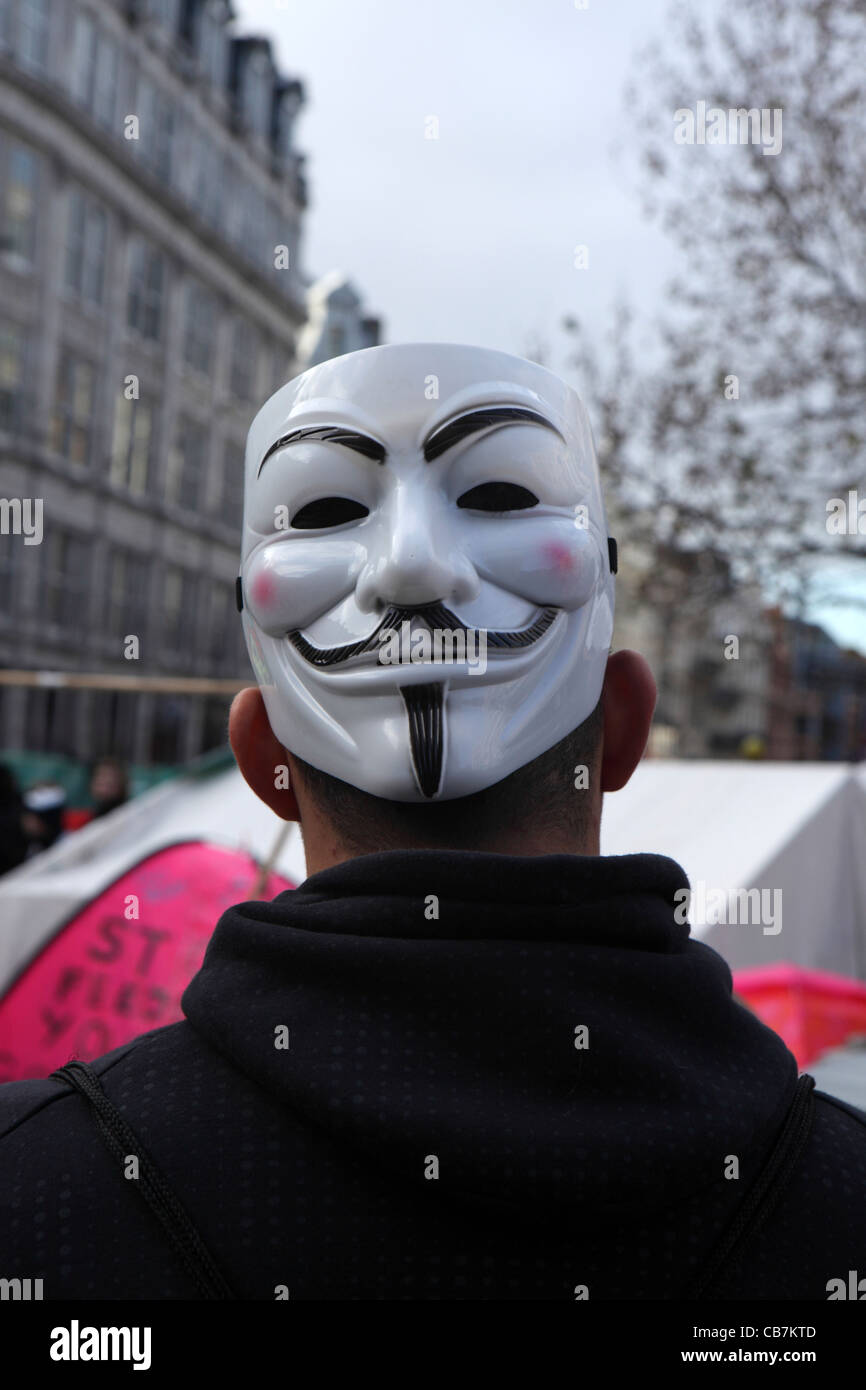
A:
x,y
628,700
263,760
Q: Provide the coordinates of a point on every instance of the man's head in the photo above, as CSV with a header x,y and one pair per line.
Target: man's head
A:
x,y
426,587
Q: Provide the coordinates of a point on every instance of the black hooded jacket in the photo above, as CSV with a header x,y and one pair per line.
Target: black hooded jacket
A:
x,y
430,1075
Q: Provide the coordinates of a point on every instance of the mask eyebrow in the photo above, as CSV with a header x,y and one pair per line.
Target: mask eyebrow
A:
x,y
336,434
446,436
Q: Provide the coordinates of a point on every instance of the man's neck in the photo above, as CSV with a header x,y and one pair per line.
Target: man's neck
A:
x,y
323,849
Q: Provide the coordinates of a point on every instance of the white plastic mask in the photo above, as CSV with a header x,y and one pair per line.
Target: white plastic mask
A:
x,y
426,583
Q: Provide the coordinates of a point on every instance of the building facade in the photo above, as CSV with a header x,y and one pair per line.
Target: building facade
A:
x,y
819,695
735,678
151,206
336,322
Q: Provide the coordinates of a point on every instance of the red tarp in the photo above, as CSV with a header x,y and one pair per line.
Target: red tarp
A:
x,y
811,1009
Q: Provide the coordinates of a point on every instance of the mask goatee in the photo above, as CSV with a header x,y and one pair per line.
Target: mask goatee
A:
x,y
424,705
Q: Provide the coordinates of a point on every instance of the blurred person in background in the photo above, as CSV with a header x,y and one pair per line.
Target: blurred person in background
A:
x,y
44,805
13,838
109,786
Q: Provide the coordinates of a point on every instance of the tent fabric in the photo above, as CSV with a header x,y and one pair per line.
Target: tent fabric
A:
x,y
842,1073
119,967
44,892
812,1010
796,827
793,829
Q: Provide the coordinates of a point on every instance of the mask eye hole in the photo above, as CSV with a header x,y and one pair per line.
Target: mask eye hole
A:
x,y
328,511
498,497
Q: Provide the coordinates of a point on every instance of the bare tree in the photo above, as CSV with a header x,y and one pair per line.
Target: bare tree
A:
x,y
754,416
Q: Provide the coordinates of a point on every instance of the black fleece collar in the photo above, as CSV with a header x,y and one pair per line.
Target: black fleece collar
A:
x,y
542,1026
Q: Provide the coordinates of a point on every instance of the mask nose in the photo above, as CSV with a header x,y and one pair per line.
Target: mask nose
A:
x,y
417,561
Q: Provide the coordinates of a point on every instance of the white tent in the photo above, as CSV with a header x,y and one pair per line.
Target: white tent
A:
x,y
796,831
37,897
795,828
842,1072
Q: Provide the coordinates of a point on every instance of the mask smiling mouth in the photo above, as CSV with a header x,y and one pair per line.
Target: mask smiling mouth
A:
x,y
435,616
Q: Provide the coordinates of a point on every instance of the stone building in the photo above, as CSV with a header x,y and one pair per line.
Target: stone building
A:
x,y
151,206
336,322
735,677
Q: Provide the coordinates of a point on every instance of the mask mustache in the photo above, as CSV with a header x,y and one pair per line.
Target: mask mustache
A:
x,y
435,615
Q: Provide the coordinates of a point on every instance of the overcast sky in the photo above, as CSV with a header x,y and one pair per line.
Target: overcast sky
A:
x,y
471,237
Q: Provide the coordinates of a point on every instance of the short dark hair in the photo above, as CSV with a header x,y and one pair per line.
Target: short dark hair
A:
x,y
543,789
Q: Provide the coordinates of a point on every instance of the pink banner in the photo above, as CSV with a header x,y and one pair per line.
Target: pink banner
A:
x,y
119,966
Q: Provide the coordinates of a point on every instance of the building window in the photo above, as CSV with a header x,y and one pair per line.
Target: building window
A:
x,y
8,572
126,595
187,462
212,188
178,616
164,134
163,12
146,282
189,163
226,642
104,98
33,20
257,93
65,581
51,721
86,233
72,422
222,623
235,186
257,225
94,69
240,658
19,169
166,736
13,353
207,187
179,174
232,494
200,331
244,361
213,49
113,722
215,726
84,58
156,129
131,445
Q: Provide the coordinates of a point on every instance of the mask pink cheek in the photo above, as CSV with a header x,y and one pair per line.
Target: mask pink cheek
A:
x,y
287,585
266,596
570,570
560,558
264,590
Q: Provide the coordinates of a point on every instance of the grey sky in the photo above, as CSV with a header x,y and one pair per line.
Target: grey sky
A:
x,y
470,237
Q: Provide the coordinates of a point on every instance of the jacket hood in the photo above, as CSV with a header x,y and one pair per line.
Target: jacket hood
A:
x,y
543,1027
